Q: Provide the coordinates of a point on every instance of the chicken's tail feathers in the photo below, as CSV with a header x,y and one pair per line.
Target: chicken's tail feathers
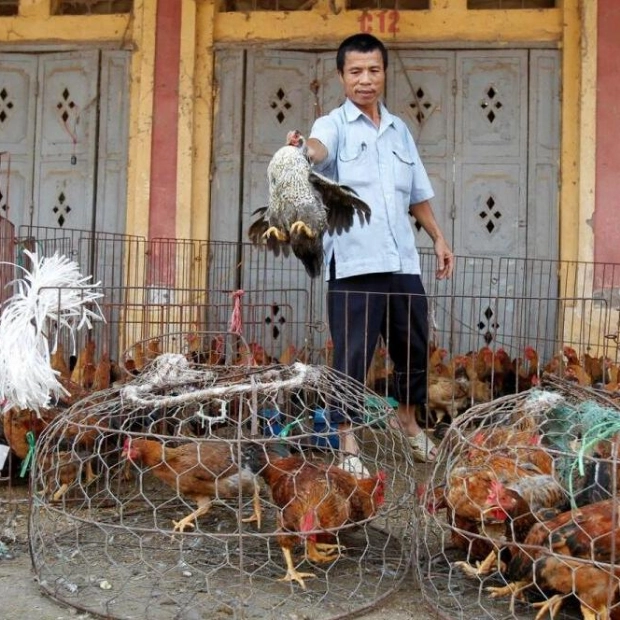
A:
x,y
312,264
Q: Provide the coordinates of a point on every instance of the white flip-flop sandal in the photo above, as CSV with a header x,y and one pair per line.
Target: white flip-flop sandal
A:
x,y
422,448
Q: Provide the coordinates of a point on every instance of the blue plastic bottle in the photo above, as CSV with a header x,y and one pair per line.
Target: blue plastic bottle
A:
x,y
322,424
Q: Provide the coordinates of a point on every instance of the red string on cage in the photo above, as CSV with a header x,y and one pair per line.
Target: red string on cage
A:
x,y
236,322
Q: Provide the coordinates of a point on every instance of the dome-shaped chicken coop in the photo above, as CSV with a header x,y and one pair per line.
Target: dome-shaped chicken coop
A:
x,y
520,517
208,491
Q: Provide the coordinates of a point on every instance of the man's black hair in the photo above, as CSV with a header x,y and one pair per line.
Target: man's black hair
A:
x,y
363,43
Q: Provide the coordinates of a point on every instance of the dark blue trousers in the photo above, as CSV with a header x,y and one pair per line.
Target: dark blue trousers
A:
x,y
393,305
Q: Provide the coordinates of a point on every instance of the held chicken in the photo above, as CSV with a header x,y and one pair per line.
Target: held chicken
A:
x,y
200,471
302,206
315,501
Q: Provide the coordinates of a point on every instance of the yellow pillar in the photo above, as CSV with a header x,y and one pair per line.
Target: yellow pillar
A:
x,y
203,120
570,225
141,118
186,135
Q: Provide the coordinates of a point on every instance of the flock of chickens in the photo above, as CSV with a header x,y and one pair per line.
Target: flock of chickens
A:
x,y
503,502
481,376
515,513
315,499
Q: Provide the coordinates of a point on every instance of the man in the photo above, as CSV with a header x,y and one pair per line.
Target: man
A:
x,y
363,146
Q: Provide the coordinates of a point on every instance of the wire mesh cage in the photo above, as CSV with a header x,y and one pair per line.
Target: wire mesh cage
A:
x,y
519,518
145,505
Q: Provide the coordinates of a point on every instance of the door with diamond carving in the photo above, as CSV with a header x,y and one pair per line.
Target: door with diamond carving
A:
x,y
491,153
63,123
18,83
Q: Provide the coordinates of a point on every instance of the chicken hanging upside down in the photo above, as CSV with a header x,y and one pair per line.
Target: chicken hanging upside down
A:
x,y
315,501
302,206
202,471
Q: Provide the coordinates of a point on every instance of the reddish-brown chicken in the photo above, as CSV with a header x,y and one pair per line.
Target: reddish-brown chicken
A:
x,y
552,561
17,424
200,471
494,489
102,375
315,501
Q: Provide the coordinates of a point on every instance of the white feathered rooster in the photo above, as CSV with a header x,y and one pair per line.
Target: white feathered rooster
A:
x,y
54,294
302,205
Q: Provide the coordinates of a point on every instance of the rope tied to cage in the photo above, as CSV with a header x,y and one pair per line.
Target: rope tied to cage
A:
x,y
236,321
172,372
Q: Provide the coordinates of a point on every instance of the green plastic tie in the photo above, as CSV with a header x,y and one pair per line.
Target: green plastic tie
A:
x,y
27,462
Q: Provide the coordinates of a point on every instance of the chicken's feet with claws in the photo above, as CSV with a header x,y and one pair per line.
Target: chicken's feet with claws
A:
x,y
300,227
274,231
292,574
323,552
551,606
481,568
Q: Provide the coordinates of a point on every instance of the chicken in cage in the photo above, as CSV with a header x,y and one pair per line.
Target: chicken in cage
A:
x,y
221,489
520,515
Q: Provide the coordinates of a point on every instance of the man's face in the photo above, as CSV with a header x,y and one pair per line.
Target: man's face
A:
x,y
363,78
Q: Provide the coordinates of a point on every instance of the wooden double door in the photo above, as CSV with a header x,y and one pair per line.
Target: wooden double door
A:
x,y
487,126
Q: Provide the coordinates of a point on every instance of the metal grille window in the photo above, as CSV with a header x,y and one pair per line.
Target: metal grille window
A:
x,y
8,7
91,7
231,6
403,5
307,5
511,4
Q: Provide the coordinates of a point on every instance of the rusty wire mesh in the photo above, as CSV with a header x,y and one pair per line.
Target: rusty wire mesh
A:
x,y
519,517
102,531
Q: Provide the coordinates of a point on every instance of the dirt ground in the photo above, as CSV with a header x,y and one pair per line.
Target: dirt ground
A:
x,y
22,597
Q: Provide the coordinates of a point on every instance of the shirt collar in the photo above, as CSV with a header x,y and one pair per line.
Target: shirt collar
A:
x,y
352,113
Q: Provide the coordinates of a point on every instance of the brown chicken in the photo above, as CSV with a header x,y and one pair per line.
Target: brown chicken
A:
x,y
102,375
79,432
85,361
315,501
200,471
552,561
58,361
497,486
596,367
153,349
446,397
288,355
19,422
59,469
478,391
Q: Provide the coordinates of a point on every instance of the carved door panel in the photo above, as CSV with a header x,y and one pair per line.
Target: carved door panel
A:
x,y
66,141
64,127
18,85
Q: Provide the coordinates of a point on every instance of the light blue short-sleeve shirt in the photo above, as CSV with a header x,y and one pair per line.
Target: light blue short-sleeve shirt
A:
x,y
383,166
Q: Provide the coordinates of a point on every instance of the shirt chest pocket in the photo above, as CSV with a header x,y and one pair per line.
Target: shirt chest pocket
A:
x,y
403,170
354,166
